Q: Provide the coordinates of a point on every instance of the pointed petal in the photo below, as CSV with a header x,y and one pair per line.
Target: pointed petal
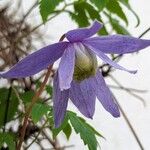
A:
x,y
83,97
36,61
66,68
82,33
106,59
60,99
104,95
117,44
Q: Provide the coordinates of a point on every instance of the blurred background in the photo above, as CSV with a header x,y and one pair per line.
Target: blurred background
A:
x,y
135,104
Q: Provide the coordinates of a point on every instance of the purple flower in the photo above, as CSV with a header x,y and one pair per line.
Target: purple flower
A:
x,y
78,77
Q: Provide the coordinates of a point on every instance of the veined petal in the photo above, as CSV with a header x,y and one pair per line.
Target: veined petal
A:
x,y
36,61
106,59
83,97
66,68
104,95
117,44
82,33
60,99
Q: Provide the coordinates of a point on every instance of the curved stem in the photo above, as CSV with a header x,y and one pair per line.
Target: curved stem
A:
x,y
29,109
130,125
144,32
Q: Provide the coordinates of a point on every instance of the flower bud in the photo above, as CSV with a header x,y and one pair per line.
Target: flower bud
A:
x,y
85,62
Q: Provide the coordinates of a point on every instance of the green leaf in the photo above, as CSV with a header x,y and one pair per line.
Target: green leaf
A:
x,y
27,96
100,4
82,9
89,126
114,7
117,26
67,131
47,7
38,110
94,14
11,103
87,133
65,127
49,89
8,139
80,14
126,3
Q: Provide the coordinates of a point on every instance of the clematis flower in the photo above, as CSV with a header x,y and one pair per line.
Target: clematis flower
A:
x,y
78,77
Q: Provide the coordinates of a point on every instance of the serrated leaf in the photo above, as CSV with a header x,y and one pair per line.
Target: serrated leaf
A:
x,y
38,110
100,4
114,7
8,139
65,127
87,133
89,126
47,7
12,105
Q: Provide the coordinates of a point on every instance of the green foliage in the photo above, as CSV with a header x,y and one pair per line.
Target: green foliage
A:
x,y
100,4
7,139
38,110
85,11
114,7
117,27
67,130
80,15
64,127
126,3
47,7
49,90
27,96
87,132
8,105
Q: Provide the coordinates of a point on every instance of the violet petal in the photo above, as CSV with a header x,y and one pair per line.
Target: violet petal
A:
x,y
83,97
60,99
66,68
82,33
106,59
104,95
36,61
117,44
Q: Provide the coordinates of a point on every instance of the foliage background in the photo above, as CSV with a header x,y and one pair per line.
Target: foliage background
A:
x,y
116,131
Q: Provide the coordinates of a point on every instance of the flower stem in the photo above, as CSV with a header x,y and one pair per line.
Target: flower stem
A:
x,y
130,126
29,109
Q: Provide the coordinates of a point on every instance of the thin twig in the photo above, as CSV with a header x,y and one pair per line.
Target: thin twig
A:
x,y
34,100
43,126
54,143
129,124
128,90
146,31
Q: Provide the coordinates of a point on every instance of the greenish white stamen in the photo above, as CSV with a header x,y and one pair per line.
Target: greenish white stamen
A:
x,y
85,62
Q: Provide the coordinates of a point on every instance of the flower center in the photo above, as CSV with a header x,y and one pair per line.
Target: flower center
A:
x,y
85,62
